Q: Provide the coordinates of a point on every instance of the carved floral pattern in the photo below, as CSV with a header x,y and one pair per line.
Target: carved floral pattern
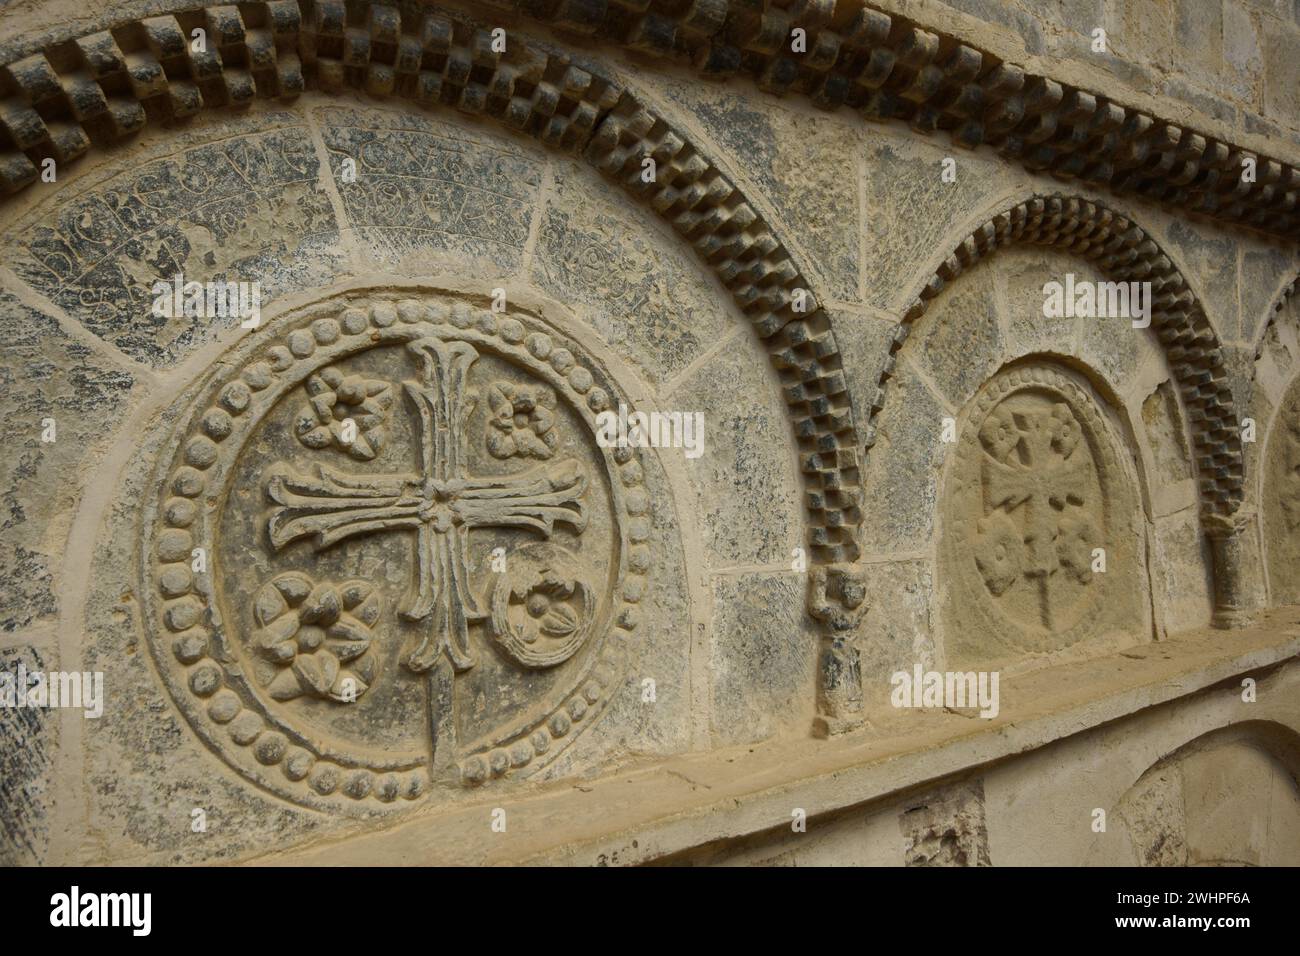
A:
x,y
541,612
307,637
337,397
443,503
522,421
312,631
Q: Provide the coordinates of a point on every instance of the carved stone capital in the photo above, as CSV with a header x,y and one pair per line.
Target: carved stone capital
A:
x,y
1222,526
837,596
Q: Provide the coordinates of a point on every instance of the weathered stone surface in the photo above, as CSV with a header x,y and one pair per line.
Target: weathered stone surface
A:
x,y
1281,500
903,183
864,343
1282,70
1165,435
30,736
1206,807
901,629
642,295
60,400
1263,271
805,164
423,194
1155,817
1024,271
744,480
238,201
1182,556
1212,258
960,343
761,665
368,571
902,471
947,828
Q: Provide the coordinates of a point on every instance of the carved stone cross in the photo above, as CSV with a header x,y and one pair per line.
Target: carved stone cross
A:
x,y
441,504
1043,476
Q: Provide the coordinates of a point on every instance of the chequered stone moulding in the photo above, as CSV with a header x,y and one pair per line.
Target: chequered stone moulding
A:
x,y
106,86
887,67
197,658
884,66
1123,251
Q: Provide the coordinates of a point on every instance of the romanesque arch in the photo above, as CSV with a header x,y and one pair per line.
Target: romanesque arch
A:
x,y
1274,408
1123,251
100,88
1240,772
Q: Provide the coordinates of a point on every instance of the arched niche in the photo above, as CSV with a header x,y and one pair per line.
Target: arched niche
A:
x,y
973,335
100,89
1228,798
1198,393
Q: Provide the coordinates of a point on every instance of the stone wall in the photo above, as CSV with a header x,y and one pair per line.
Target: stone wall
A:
x,y
363,576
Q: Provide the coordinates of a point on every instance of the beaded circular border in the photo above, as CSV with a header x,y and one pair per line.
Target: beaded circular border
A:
x,y
197,660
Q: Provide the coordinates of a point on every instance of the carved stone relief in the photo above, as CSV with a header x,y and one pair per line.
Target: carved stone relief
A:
x,y
1282,500
421,567
1038,543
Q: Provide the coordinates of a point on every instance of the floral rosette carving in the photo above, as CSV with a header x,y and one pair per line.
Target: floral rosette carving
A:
x,y
319,635
541,614
523,421
1064,430
1075,542
1000,434
336,398
999,553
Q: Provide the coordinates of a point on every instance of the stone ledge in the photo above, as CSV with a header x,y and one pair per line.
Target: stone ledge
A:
x,y
650,812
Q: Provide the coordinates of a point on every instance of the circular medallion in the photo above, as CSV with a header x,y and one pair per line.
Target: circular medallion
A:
x,y
388,550
1035,503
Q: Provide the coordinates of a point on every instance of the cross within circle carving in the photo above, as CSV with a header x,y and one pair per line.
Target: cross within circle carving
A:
x,y
259,680
442,504
1034,494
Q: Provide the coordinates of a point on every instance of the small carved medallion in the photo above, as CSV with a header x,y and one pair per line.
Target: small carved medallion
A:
x,y
1029,538
416,553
